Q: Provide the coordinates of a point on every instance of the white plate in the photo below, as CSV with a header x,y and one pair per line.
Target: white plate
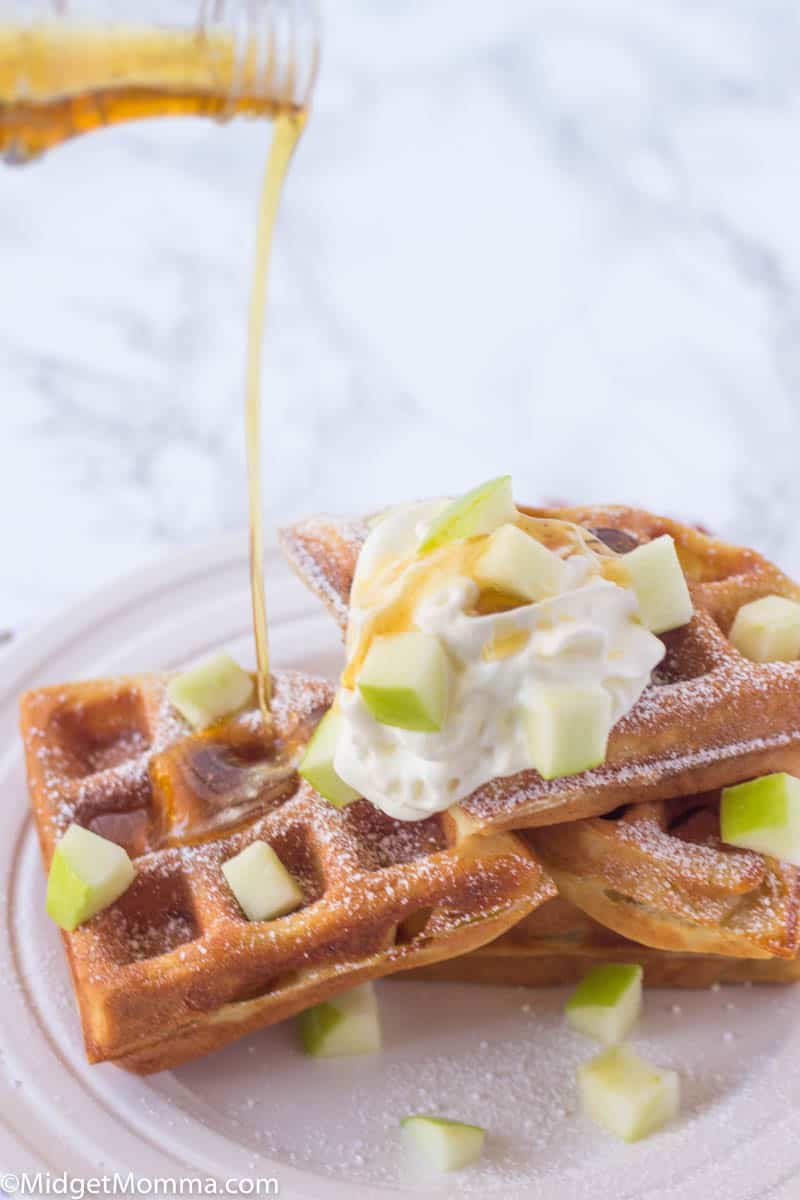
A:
x,y
499,1057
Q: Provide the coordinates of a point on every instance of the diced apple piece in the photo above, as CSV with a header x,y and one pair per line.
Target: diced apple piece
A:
x,y
763,815
482,510
446,1144
261,883
768,630
626,1095
607,1002
87,874
656,575
317,765
210,691
405,681
515,563
348,1024
568,729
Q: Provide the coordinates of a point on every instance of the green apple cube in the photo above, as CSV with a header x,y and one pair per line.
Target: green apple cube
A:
x,y
516,563
568,728
607,1002
763,815
656,575
210,691
87,874
261,883
405,681
768,630
348,1024
317,765
446,1144
626,1095
482,510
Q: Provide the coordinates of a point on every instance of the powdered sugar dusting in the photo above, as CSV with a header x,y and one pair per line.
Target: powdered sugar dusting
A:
x,y
177,938
658,872
504,1059
324,551
708,712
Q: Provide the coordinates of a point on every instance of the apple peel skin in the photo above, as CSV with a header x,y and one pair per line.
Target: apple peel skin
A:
x,y
349,1024
317,763
448,1145
87,874
481,510
405,681
763,815
607,1002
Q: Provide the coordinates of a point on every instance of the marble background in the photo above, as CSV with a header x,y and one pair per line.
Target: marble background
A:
x,y
554,237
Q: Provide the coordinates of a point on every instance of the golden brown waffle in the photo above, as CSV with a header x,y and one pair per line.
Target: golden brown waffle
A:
x,y
557,944
710,717
658,873
172,969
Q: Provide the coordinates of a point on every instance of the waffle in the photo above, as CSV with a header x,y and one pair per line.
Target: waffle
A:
x,y
709,718
657,873
557,944
172,969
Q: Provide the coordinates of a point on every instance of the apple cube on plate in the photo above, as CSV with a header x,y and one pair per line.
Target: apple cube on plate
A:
x,y
447,1145
317,764
482,510
347,1024
518,565
405,681
607,1002
210,691
655,574
568,728
763,814
261,883
768,630
87,874
626,1095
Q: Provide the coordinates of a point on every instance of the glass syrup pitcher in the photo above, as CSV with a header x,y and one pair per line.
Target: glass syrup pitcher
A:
x,y
68,67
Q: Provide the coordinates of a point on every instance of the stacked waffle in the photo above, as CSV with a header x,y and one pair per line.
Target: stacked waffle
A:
x,y
173,969
634,846
526,881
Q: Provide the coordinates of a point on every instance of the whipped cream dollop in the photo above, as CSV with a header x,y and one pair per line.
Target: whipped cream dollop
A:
x,y
587,634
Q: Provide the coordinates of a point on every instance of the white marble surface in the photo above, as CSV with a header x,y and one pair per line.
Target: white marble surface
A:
x,y
559,238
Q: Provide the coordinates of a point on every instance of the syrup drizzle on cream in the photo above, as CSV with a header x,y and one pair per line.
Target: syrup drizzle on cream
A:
x,y
501,652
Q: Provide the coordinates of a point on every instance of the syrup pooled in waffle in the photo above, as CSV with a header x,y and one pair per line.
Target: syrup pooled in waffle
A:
x,y
173,969
709,718
658,873
556,945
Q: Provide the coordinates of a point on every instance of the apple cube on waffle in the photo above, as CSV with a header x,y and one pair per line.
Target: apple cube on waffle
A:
x,y
710,717
173,968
